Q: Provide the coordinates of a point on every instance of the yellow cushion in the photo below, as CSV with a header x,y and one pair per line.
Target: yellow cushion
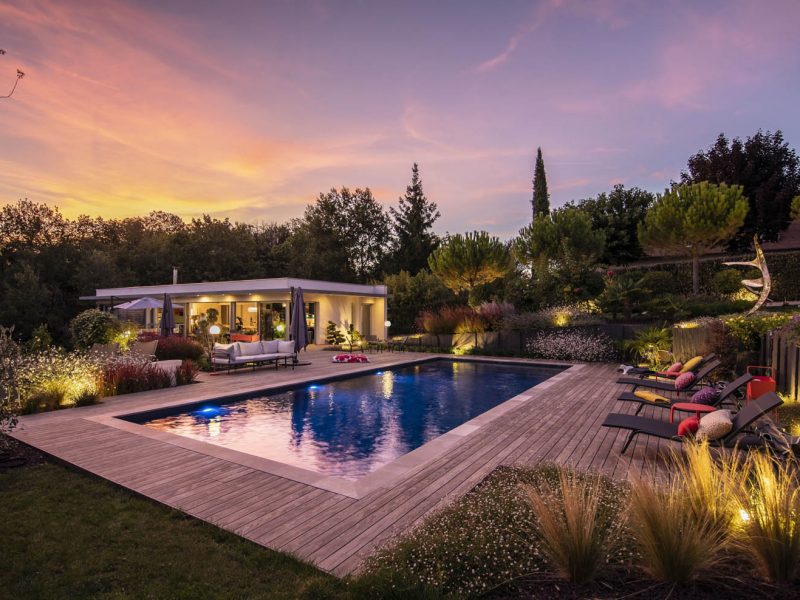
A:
x,y
690,364
650,396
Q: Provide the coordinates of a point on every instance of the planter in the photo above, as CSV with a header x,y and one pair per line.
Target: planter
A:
x,y
245,337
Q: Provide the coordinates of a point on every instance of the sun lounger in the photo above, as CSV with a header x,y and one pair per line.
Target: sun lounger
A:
x,y
650,374
668,385
724,395
638,425
146,349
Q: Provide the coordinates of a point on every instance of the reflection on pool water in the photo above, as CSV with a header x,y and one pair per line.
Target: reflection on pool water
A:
x,y
351,427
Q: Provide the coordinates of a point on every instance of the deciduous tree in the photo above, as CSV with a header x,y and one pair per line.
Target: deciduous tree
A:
x,y
693,219
768,171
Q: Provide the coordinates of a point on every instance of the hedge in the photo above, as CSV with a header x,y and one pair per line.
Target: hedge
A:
x,y
784,269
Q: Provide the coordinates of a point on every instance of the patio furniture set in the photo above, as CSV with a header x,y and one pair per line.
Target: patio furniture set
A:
x,y
253,354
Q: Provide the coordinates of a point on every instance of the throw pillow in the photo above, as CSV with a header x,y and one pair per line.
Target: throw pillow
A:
x,y
286,347
706,395
715,425
688,426
249,348
270,347
690,364
675,368
684,381
650,396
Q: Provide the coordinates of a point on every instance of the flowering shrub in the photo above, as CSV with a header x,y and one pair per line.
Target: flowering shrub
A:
x,y
573,344
485,539
53,379
176,347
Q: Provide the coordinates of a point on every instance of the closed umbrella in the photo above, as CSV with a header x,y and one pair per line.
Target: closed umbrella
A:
x,y
167,318
298,328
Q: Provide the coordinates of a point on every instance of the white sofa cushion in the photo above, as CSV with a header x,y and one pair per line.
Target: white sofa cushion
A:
x,y
231,349
270,347
250,348
286,347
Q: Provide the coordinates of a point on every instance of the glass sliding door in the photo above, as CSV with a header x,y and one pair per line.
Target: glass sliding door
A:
x,y
272,320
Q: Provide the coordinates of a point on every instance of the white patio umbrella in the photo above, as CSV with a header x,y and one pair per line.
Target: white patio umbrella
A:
x,y
140,304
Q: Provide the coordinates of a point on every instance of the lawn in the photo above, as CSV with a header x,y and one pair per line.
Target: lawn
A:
x,y
67,535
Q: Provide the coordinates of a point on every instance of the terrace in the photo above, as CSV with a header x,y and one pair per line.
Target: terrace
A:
x,y
337,530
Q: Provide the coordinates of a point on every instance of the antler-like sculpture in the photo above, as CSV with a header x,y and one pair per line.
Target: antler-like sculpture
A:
x,y
761,286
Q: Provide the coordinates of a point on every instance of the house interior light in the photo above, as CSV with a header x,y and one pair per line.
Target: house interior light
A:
x,y
214,330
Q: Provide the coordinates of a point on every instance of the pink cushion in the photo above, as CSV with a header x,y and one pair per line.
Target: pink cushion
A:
x,y
706,395
675,368
688,426
684,381
350,358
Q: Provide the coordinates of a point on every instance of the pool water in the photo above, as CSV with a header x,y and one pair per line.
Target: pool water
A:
x,y
350,427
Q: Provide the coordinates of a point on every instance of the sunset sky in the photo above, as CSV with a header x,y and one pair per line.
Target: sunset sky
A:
x,y
250,109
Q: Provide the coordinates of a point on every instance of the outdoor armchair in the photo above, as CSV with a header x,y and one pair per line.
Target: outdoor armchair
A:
x,y
638,425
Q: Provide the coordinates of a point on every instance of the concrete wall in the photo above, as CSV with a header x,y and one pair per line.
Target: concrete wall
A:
x,y
346,310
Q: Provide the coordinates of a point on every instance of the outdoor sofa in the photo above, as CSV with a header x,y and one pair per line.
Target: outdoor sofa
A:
x,y
239,354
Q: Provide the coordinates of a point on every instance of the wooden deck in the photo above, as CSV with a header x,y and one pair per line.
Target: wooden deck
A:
x,y
559,423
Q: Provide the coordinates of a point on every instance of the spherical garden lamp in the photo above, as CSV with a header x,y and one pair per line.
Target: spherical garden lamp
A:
x,y
214,330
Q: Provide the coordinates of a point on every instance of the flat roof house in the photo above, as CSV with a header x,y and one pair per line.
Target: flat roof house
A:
x,y
260,308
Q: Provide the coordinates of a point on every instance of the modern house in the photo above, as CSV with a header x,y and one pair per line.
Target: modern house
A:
x,y
259,307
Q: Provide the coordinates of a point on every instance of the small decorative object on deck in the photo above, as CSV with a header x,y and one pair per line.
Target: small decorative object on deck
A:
x,y
760,286
350,358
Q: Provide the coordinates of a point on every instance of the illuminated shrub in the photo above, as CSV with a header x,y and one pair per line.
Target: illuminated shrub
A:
x,y
93,326
54,379
573,344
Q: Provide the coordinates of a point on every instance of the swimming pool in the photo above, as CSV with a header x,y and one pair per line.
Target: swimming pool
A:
x,y
349,428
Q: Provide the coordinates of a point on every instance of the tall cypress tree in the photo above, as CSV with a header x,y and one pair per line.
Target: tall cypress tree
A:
x,y
541,199
412,222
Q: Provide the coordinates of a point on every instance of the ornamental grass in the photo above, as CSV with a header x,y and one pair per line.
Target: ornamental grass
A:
x,y
770,498
574,534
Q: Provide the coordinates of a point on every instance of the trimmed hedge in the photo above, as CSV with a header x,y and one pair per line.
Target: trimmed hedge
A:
x,y
784,269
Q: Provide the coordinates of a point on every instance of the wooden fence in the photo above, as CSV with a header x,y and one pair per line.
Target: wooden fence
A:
x,y
784,357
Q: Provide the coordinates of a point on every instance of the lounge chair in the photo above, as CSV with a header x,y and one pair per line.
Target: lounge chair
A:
x,y
146,349
397,344
754,409
668,385
650,374
726,393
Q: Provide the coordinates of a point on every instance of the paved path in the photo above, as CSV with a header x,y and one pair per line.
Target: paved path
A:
x,y
557,421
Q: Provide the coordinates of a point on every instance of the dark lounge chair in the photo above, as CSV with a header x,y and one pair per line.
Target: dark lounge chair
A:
x,y
726,393
650,374
668,385
669,431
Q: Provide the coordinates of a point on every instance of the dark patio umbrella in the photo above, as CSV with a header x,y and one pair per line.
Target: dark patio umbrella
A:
x,y
167,318
299,332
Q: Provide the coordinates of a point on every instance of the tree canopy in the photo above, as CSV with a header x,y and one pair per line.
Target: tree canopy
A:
x,y
768,171
466,261
693,219
618,214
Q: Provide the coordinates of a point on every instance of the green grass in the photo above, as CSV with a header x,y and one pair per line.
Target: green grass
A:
x,y
67,535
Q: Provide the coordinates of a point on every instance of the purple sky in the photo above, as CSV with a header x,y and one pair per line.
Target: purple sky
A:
x,y
250,109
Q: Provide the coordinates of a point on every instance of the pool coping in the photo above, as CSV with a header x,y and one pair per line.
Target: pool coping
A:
x,y
382,477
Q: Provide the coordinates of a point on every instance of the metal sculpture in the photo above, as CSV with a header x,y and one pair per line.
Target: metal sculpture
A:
x,y
760,287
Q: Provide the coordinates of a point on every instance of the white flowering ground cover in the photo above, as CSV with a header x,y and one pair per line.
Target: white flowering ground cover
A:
x,y
573,344
483,543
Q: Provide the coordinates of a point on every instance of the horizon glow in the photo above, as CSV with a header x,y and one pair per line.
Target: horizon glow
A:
x,y
250,112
